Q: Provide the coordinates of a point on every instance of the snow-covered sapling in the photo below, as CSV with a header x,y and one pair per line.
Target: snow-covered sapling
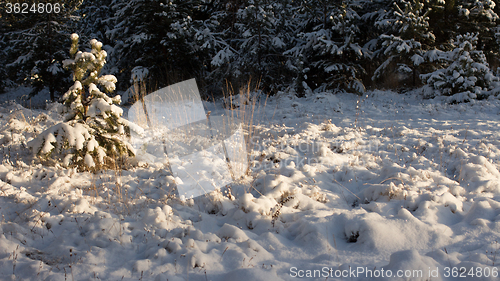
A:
x,y
467,76
93,134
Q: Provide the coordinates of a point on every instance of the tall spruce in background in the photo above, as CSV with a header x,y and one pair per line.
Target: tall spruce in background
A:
x,y
326,46
4,79
405,41
34,43
213,32
156,35
247,40
258,44
481,17
133,35
376,19
467,16
95,20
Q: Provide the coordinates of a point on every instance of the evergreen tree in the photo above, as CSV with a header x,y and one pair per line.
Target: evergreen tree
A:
x,y
4,80
92,135
95,20
467,76
377,18
406,40
466,16
213,33
156,35
480,17
258,44
307,44
246,41
326,46
34,41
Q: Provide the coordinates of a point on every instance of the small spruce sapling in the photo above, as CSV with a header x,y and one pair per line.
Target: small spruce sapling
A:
x,y
93,134
467,76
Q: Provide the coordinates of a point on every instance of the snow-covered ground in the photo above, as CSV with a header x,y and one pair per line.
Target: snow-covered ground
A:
x,y
340,188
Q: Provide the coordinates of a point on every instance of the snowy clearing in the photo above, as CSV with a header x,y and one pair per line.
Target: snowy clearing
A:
x,y
340,187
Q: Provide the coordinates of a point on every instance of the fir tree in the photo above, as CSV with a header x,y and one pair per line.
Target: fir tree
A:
x,y
466,16
4,80
259,44
245,41
467,76
92,135
406,41
95,20
35,41
213,33
157,35
326,46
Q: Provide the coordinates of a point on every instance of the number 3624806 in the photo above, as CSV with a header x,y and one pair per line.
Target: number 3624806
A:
x,y
25,8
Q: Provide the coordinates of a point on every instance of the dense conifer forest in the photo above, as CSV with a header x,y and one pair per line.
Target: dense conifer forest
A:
x,y
449,47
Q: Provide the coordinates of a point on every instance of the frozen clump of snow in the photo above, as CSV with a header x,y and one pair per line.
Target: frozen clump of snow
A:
x,y
82,205
410,265
108,82
454,203
374,192
482,211
228,231
215,202
374,232
480,174
142,266
89,162
262,204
